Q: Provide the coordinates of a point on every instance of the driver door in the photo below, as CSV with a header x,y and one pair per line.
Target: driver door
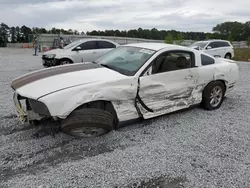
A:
x,y
169,84
212,49
88,52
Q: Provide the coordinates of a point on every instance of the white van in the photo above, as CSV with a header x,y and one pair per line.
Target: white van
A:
x,y
216,48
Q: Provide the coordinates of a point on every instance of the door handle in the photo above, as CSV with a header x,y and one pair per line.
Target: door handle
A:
x,y
189,77
94,52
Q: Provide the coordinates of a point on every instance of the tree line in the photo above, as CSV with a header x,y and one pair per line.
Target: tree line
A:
x,y
232,31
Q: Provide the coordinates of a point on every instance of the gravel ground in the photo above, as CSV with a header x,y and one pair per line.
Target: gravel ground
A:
x,y
192,148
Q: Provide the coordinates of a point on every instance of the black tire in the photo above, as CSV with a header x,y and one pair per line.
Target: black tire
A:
x,y
62,61
207,92
109,107
88,118
228,56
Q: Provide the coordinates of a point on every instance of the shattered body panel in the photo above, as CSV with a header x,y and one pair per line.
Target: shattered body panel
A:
x,y
121,93
175,90
167,93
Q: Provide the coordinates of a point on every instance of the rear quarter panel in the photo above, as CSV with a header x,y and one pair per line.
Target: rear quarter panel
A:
x,y
222,70
228,71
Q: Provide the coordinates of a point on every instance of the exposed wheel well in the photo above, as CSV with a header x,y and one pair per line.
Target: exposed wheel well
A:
x,y
101,104
228,53
222,81
65,58
215,102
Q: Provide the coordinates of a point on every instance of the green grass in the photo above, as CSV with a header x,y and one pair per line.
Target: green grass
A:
x,y
242,54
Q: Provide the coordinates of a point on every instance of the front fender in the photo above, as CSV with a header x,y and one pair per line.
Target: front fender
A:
x,y
121,95
58,57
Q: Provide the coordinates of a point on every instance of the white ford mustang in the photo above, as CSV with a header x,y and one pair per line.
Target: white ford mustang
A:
x,y
133,81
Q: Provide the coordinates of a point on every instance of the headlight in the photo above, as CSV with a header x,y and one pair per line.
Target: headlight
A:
x,y
39,107
50,56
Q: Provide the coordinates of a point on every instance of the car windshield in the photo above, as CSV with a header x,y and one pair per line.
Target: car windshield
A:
x,y
126,60
200,44
72,44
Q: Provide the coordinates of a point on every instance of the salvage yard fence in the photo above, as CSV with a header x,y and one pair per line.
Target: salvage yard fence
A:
x,y
47,40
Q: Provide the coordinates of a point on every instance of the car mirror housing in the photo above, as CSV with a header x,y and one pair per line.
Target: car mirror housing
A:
x,y
209,47
148,72
78,48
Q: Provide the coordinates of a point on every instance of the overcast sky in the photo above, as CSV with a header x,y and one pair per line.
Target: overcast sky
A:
x,y
87,15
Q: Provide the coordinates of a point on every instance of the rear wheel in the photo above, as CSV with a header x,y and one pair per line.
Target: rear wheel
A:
x,y
88,122
228,56
213,95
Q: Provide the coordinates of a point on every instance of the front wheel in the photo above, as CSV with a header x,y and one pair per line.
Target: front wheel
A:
x,y
88,122
213,95
65,61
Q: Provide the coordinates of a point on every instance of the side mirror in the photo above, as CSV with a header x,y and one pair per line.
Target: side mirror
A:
x,y
208,47
148,72
78,48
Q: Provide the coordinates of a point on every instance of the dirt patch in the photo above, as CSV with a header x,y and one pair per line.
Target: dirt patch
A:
x,y
160,182
10,116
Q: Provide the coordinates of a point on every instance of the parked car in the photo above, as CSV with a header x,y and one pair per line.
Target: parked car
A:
x,y
78,51
216,48
133,81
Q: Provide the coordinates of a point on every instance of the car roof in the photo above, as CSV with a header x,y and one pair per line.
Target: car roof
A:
x,y
155,46
213,40
93,39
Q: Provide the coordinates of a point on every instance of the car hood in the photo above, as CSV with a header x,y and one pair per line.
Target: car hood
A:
x,y
53,51
42,82
196,47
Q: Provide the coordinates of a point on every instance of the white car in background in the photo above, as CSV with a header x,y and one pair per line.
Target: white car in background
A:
x,y
78,51
216,48
133,81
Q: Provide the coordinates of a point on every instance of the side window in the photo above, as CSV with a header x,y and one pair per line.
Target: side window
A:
x,y
105,44
90,45
172,61
220,44
206,60
213,44
224,44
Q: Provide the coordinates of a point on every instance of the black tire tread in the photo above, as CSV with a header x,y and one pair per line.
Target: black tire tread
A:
x,y
60,61
88,116
206,95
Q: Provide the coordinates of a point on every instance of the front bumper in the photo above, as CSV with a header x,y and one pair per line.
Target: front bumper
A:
x,y
30,109
49,62
21,113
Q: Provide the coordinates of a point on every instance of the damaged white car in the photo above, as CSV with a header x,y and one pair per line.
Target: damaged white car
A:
x,y
133,81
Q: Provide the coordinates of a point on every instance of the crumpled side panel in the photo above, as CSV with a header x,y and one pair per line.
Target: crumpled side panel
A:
x,y
121,94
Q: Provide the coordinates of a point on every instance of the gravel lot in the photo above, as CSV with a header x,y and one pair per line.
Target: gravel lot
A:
x,y
192,148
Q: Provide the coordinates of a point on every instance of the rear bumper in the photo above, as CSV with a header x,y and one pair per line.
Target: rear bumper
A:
x,y
233,54
230,88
